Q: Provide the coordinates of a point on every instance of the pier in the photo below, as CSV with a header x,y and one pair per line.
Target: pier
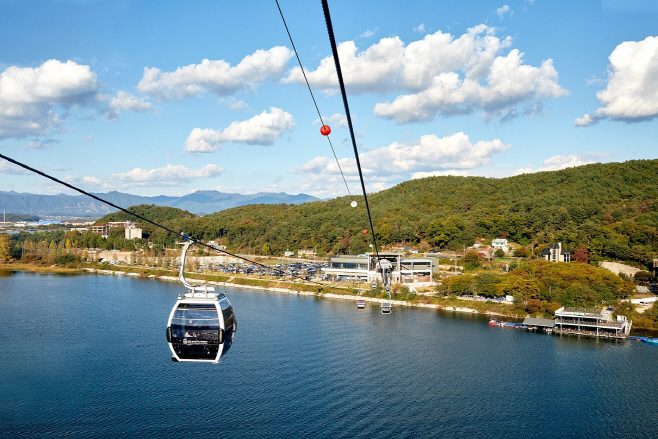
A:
x,y
591,322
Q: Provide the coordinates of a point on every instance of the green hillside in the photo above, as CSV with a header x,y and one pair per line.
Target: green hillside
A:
x,y
609,209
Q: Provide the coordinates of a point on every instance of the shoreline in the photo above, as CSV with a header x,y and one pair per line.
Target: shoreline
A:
x,y
460,309
334,296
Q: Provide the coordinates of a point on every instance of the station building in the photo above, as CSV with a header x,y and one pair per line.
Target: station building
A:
x,y
591,322
362,268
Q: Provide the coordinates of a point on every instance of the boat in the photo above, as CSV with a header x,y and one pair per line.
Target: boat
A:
x,y
650,340
360,304
493,322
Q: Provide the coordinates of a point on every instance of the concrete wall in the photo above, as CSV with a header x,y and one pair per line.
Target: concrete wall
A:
x,y
619,268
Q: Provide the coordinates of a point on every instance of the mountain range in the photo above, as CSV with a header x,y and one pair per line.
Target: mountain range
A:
x,y
199,202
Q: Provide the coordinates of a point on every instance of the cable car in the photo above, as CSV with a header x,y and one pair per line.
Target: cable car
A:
x,y
202,324
360,304
386,307
201,327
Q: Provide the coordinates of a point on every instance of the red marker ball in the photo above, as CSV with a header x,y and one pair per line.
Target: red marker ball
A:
x,y
365,232
325,130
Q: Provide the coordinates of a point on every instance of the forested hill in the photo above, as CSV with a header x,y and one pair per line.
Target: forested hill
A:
x,y
610,209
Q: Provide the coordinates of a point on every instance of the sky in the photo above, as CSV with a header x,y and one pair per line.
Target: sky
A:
x,y
168,97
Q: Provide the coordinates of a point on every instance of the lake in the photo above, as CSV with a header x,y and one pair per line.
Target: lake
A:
x,y
86,356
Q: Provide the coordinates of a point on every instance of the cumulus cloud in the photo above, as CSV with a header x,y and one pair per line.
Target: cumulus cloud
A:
x,y
169,175
339,120
504,10
128,102
559,162
430,155
509,82
11,169
262,129
632,90
368,71
31,97
586,120
217,77
439,74
239,105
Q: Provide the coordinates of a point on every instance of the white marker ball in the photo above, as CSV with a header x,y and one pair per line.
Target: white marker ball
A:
x,y
353,203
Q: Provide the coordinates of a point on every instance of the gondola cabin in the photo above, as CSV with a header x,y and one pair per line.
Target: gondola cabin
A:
x,y
201,327
360,304
387,307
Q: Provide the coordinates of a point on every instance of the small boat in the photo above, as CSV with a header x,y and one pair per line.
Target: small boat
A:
x,y
386,307
650,340
360,304
493,322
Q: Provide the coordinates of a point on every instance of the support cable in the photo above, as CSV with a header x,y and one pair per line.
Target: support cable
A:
x,y
334,49
312,97
174,232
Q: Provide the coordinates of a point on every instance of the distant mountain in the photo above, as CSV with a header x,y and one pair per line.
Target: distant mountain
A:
x,y
199,202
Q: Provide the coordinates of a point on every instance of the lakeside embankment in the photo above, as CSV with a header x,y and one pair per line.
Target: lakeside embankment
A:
x,y
427,302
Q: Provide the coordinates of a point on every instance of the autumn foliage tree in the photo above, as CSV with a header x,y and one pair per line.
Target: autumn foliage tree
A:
x,y
581,255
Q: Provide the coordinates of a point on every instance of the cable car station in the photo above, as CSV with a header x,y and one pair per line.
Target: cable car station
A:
x,y
364,268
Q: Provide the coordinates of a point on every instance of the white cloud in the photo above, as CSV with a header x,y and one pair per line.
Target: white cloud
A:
x,y
509,82
368,33
239,105
216,77
559,162
168,176
503,10
10,168
44,144
430,155
128,102
439,74
30,97
420,28
370,70
586,120
262,129
339,120
632,90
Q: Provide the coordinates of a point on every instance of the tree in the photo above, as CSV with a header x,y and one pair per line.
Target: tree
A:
x,y
521,252
471,260
499,253
581,255
266,249
5,253
642,276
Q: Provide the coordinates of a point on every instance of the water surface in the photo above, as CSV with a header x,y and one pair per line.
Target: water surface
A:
x,y
86,356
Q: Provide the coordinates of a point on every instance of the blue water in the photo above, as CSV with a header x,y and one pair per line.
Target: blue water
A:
x,y
86,356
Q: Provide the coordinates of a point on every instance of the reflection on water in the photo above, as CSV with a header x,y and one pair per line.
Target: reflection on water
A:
x,y
87,356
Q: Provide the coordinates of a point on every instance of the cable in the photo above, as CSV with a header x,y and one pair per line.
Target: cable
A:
x,y
312,97
334,49
184,235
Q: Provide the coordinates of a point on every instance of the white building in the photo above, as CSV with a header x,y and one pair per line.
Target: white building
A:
x,y
555,253
362,268
133,232
310,254
499,244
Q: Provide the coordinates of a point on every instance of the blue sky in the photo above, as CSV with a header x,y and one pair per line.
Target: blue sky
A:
x,y
166,98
